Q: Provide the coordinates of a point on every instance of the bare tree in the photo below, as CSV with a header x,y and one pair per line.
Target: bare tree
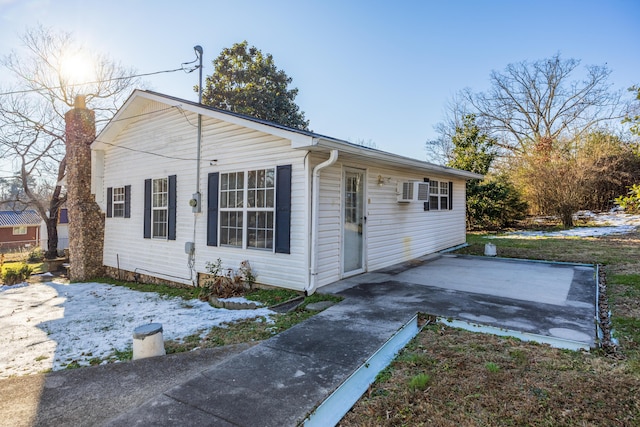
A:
x,y
633,115
535,104
440,150
32,128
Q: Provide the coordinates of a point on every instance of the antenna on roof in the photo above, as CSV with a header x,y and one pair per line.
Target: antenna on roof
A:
x,y
199,51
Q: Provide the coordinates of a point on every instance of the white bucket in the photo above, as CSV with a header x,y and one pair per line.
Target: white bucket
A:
x,y
490,249
148,341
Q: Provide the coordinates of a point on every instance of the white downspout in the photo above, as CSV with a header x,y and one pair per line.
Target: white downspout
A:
x,y
315,203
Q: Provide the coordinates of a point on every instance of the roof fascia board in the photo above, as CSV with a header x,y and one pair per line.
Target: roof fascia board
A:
x,y
295,138
298,140
394,159
137,97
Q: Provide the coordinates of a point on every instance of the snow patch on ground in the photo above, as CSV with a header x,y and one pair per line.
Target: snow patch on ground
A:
x,y
605,224
49,325
16,286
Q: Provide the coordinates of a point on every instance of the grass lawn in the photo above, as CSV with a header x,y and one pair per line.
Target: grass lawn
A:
x,y
36,267
251,330
451,377
16,260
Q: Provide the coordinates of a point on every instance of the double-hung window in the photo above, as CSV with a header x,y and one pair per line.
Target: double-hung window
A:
x,y
247,207
444,195
231,208
434,195
118,202
260,208
439,195
159,208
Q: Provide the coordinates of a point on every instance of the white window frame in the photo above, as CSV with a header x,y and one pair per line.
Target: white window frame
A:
x,y
117,202
232,202
438,193
444,195
20,230
254,206
160,208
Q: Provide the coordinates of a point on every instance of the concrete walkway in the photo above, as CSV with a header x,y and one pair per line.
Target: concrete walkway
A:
x,y
280,381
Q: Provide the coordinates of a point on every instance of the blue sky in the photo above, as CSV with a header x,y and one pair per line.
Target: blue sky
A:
x,y
365,70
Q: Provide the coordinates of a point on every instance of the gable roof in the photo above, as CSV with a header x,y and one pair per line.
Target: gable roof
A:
x,y
13,219
299,138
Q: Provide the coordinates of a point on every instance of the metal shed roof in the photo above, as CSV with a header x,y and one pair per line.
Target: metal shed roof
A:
x,y
13,218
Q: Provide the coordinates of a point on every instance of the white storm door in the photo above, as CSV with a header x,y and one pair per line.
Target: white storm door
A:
x,y
353,222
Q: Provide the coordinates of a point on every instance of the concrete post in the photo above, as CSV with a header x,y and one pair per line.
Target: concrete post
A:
x,y
86,221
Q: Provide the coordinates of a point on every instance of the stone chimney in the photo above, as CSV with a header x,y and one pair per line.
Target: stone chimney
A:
x,y
86,221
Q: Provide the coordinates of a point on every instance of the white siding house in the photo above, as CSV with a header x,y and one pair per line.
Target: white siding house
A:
x,y
304,209
63,231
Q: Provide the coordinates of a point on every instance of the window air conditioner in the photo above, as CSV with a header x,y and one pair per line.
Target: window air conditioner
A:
x,y
410,191
405,192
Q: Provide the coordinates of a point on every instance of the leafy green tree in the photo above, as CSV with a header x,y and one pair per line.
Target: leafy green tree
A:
x,y
631,201
493,202
246,81
473,150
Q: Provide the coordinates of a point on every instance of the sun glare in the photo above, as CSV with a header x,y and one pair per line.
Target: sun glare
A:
x,y
77,68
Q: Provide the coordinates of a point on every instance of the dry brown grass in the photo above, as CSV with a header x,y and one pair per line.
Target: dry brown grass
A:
x,y
488,380
484,380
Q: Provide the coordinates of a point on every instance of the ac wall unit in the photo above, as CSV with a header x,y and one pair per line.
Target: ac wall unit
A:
x,y
410,191
405,192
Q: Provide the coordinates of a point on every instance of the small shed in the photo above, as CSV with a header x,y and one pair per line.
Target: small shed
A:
x,y
19,230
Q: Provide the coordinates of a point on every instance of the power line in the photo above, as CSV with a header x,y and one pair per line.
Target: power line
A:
x,y
144,114
17,92
151,153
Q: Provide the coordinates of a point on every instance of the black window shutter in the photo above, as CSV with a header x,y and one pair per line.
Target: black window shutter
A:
x,y
450,195
171,225
63,216
147,208
127,201
426,203
283,210
109,202
212,209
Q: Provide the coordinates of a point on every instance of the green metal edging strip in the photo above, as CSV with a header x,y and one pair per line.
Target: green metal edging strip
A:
x,y
523,336
333,408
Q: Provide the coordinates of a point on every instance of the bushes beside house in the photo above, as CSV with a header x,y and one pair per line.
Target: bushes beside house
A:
x,y
631,201
14,275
